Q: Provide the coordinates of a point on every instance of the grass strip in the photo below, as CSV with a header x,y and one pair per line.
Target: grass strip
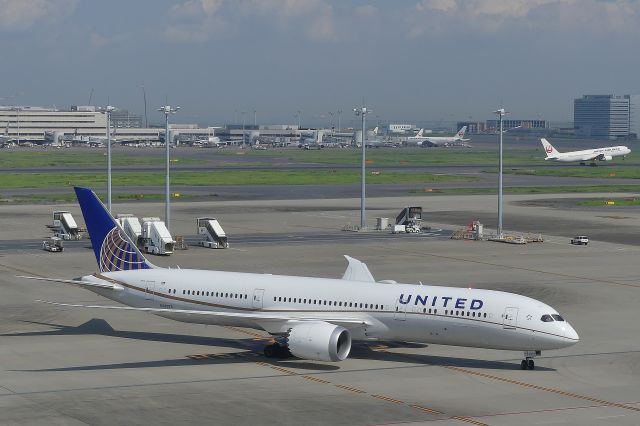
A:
x,y
531,190
229,177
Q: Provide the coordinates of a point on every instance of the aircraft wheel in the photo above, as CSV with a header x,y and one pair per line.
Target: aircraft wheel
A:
x,y
530,364
523,364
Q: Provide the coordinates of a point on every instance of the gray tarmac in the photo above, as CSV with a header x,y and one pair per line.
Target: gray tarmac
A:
x,y
66,366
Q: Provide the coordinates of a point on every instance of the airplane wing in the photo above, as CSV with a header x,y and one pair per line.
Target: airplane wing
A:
x,y
110,286
259,316
592,157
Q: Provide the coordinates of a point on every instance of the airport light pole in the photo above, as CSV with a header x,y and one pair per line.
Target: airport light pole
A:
x,y
107,111
339,115
501,113
244,116
363,111
299,115
167,110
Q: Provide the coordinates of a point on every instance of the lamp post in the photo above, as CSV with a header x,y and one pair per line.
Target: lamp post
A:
x,y
167,110
363,111
339,115
244,116
501,113
108,110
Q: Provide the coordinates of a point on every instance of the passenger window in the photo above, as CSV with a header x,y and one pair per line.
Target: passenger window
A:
x,y
546,318
376,306
424,310
349,304
557,317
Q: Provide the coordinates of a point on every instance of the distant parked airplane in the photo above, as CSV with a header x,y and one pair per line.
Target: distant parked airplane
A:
x,y
592,155
420,139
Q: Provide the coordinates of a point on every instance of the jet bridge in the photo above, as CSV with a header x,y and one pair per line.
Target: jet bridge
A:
x,y
213,236
64,226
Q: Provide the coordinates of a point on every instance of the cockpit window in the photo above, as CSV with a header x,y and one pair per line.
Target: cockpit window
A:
x,y
557,317
546,318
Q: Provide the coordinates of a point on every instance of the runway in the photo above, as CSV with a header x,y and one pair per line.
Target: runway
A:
x,y
75,366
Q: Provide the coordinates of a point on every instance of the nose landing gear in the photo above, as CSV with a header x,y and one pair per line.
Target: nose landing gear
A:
x,y
527,363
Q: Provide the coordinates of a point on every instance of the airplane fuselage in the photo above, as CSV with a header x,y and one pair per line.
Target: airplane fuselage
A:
x,y
590,154
406,312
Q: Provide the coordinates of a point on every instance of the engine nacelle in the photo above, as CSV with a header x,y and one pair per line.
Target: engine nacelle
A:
x,y
607,158
319,341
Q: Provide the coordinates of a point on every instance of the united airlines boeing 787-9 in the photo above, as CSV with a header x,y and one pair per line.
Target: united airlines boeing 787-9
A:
x,y
314,318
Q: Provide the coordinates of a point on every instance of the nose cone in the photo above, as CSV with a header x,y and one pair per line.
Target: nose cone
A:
x,y
570,334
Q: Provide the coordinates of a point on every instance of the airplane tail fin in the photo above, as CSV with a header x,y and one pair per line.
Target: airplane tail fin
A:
x,y
548,148
461,132
419,134
113,248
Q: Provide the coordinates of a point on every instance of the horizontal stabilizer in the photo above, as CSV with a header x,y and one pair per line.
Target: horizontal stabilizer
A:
x,y
257,316
75,282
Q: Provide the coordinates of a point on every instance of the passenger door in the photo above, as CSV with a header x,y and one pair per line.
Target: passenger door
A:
x,y
258,295
510,318
149,289
401,311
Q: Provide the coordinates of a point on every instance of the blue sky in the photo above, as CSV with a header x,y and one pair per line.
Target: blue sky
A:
x,y
415,61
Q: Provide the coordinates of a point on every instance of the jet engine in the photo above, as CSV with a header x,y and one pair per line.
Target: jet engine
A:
x,y
319,341
607,157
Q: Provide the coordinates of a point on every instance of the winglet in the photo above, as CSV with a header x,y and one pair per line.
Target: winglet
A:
x,y
357,271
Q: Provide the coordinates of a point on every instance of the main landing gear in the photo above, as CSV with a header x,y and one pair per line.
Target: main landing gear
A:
x,y
527,363
276,350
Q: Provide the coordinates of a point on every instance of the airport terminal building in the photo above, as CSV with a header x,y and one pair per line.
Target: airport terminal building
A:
x,y
607,116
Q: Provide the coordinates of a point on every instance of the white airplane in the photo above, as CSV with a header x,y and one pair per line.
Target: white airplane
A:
x,y
446,140
592,155
314,318
419,139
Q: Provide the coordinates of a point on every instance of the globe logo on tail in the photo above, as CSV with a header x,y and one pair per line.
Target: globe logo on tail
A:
x,y
549,149
117,254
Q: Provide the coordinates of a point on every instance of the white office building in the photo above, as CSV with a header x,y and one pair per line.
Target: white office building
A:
x,y
25,123
401,128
